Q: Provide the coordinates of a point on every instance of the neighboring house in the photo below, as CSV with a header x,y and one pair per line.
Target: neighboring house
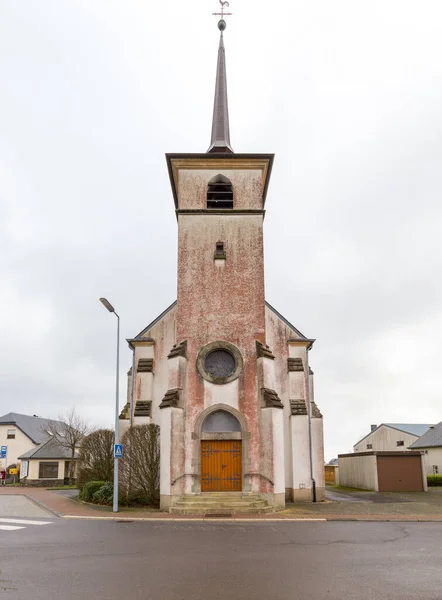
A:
x,y
21,433
47,464
431,443
391,437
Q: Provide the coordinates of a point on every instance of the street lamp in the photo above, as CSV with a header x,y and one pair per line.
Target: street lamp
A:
x,y
111,309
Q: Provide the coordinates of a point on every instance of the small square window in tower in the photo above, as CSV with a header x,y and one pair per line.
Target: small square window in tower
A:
x,y
220,193
220,253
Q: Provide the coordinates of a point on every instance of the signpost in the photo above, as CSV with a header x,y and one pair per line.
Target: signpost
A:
x,y
3,451
118,450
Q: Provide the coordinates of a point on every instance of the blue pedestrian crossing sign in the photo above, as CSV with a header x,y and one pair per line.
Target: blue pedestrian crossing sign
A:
x,y
118,450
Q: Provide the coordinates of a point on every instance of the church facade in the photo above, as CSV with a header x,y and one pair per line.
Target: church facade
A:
x,y
224,375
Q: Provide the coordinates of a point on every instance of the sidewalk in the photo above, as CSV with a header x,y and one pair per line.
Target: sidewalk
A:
x,y
347,505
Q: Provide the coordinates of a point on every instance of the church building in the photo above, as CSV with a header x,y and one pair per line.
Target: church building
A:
x,y
224,375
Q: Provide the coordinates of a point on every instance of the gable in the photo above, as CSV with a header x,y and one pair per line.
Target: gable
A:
x,y
294,331
158,319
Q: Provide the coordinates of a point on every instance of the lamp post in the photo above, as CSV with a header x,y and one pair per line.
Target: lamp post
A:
x,y
111,309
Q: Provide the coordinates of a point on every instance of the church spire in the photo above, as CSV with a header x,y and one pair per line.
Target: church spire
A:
x,y
220,141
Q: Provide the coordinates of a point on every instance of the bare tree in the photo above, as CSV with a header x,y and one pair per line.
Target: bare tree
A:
x,y
69,431
96,457
140,467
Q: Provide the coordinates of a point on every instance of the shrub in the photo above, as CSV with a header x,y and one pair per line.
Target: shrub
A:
x,y
96,459
88,490
104,495
434,480
140,466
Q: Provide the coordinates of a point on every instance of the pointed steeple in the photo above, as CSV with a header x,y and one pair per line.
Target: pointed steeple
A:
x,y
220,141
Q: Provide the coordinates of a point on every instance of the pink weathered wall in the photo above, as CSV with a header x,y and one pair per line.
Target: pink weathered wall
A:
x,y
221,300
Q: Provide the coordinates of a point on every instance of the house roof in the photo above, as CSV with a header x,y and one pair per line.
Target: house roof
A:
x,y
430,439
49,449
416,429
34,427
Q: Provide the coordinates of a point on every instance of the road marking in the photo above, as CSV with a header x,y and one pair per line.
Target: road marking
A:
x,y
23,522
9,527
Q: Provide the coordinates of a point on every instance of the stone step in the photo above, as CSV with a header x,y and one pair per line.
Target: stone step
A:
x,y
227,505
199,499
192,510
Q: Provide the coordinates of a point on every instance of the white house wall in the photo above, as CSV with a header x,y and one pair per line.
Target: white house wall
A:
x,y
432,456
17,446
386,438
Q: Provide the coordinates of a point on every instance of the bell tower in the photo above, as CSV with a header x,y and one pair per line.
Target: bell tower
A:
x,y
219,203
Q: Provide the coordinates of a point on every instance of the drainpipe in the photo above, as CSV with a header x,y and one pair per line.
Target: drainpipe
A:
x,y
132,385
309,413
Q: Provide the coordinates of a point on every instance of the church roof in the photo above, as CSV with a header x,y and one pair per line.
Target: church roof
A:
x,y
220,140
32,426
154,322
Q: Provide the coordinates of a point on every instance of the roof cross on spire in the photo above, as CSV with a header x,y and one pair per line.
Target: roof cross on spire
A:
x,y
220,140
222,13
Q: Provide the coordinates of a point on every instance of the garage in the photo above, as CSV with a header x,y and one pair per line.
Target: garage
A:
x,y
400,473
383,471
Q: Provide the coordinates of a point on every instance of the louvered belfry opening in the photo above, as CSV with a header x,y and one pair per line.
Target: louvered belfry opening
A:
x,y
220,193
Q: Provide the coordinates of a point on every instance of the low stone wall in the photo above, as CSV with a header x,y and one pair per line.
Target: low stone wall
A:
x,y
41,482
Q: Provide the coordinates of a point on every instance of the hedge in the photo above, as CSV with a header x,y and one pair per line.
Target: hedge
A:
x,y
434,480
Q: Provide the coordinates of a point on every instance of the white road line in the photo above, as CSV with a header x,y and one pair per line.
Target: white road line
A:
x,y
9,527
23,522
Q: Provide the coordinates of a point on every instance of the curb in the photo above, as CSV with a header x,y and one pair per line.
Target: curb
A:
x,y
251,520
191,520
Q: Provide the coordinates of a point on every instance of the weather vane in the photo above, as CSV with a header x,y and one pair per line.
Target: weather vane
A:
x,y
222,14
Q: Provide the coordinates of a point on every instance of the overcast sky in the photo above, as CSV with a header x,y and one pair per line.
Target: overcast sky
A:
x,y
347,94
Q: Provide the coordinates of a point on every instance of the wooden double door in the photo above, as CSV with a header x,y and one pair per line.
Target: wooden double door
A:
x,y
221,466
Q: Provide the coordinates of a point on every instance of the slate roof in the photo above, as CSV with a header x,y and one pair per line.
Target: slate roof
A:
x,y
50,449
431,439
416,429
34,427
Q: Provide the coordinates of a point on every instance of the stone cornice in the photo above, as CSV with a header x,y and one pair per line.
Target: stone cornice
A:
x,y
271,398
171,399
145,365
308,343
134,342
178,350
263,351
294,364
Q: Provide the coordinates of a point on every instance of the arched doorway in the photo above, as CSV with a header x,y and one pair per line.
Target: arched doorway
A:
x,y
221,453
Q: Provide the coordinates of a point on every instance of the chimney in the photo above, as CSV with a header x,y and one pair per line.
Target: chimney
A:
x,y
373,427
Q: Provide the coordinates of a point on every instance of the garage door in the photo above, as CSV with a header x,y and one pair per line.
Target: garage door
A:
x,y
400,473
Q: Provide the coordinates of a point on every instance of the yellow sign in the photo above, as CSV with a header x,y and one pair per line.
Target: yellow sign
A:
x,y
13,471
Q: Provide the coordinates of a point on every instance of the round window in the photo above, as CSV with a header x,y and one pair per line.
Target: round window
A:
x,y
219,363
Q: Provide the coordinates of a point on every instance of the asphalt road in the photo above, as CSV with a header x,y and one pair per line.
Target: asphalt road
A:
x,y
107,560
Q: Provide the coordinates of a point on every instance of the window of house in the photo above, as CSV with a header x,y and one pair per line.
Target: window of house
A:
x,y
369,446
48,470
220,193
400,443
435,470
10,434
